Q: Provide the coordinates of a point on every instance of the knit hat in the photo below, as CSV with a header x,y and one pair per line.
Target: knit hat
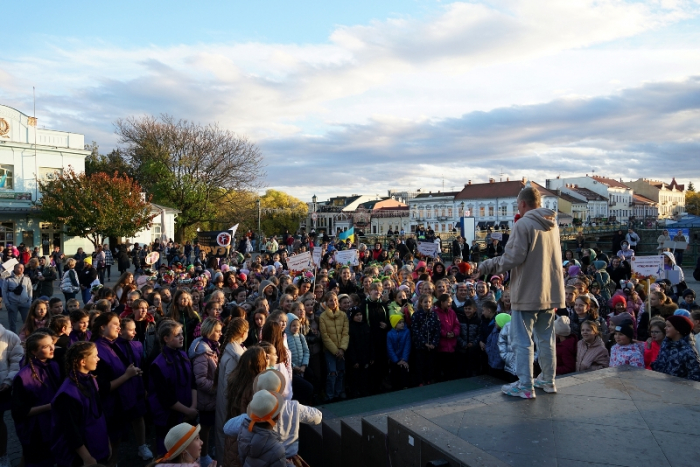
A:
x,y
269,380
626,329
574,271
242,277
622,318
687,292
394,320
619,299
88,260
562,326
178,439
599,264
592,298
499,278
502,319
681,323
264,407
682,312
342,296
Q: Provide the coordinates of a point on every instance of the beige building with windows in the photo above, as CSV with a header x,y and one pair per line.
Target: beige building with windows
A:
x,y
670,197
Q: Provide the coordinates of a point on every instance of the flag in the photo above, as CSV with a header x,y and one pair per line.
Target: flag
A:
x,y
233,230
348,236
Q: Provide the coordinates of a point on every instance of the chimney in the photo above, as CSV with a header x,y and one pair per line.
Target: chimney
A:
x,y
524,179
470,182
507,179
491,180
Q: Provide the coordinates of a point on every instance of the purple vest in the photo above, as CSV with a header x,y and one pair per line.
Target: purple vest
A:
x,y
93,426
36,394
133,392
177,371
110,368
76,336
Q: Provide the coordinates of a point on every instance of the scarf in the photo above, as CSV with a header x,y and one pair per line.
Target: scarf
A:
x,y
213,345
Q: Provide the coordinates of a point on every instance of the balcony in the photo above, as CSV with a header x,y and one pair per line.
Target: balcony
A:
x,y
443,218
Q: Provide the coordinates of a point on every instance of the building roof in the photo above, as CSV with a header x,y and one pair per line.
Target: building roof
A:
x,y
590,195
437,194
571,199
609,182
675,185
507,189
639,199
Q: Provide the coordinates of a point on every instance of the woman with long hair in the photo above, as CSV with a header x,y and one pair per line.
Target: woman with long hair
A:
x,y
181,310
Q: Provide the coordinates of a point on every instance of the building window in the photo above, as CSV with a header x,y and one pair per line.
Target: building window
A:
x,y
7,177
490,211
449,226
155,232
436,212
449,212
7,233
482,211
504,210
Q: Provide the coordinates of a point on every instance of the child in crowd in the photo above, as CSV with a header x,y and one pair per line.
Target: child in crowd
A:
x,y
36,318
297,344
566,346
399,350
425,336
360,354
80,321
72,305
495,363
505,348
591,353
583,311
687,301
486,328
445,362
335,330
625,351
570,301
468,349
258,444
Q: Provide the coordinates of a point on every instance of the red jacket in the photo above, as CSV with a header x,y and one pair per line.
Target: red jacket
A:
x,y
566,355
448,323
651,354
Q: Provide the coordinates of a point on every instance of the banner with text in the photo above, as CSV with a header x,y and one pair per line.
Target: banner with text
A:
x,y
348,257
214,243
647,266
317,255
429,249
300,262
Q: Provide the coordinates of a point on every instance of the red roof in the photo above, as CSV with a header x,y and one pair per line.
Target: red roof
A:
x,y
609,182
675,185
590,195
509,189
639,199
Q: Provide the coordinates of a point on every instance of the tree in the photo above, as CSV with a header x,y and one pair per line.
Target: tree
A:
x,y
692,203
109,163
280,211
95,206
189,166
691,187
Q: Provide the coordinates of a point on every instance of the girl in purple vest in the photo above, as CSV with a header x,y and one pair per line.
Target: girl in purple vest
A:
x,y
172,393
80,321
113,373
78,425
132,351
33,389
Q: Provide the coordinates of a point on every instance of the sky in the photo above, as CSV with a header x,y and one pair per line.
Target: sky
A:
x,y
365,96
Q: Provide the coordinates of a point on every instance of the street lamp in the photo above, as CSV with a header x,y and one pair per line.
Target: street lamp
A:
x,y
258,201
313,201
461,207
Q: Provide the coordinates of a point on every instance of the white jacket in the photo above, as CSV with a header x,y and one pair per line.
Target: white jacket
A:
x,y
291,415
11,354
11,283
505,348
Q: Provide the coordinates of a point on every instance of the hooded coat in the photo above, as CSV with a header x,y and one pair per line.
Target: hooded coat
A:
x,y
505,347
593,356
297,344
260,447
229,361
204,362
533,255
334,330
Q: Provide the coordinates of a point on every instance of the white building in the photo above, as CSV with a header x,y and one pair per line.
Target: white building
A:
x,y
433,210
494,204
162,226
334,215
29,154
670,197
619,195
595,204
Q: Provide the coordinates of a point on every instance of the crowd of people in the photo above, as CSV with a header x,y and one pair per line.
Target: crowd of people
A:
x,y
223,358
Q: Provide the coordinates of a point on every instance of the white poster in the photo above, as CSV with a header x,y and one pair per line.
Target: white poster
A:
x,y
648,266
300,262
428,249
317,256
497,236
348,257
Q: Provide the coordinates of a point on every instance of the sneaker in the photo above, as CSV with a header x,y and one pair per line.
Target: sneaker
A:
x,y
514,389
145,453
546,386
205,461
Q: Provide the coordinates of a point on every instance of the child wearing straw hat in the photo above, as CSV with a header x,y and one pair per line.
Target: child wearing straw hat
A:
x,y
184,447
258,443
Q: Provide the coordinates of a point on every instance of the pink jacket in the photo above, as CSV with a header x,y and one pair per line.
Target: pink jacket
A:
x,y
448,323
204,363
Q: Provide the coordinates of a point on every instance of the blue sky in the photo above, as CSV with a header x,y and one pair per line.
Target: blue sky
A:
x,y
364,96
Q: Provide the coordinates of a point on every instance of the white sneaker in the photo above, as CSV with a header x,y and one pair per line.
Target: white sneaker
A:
x,y
546,386
145,453
515,390
5,461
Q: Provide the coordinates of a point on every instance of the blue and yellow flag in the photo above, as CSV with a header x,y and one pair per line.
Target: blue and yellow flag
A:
x,y
348,236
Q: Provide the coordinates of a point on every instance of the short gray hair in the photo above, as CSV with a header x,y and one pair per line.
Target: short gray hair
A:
x,y
530,196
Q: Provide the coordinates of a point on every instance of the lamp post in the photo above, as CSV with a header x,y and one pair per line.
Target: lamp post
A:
x,y
259,219
313,201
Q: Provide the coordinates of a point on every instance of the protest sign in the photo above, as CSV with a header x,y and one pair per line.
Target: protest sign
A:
x,y
647,267
347,257
497,236
300,262
317,255
428,249
214,243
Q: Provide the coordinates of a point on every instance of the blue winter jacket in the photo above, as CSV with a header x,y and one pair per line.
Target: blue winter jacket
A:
x,y
679,358
398,345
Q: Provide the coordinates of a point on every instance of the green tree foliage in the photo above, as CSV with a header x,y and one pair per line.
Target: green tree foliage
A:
x,y
107,163
191,167
691,187
280,211
692,203
95,206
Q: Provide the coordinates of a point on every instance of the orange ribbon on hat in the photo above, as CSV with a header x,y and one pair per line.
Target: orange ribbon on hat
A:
x,y
177,445
265,418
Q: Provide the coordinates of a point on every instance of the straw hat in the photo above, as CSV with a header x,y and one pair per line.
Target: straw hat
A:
x,y
178,439
270,380
264,407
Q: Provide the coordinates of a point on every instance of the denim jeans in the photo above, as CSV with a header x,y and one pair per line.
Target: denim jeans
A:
x,y
12,311
336,375
521,329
